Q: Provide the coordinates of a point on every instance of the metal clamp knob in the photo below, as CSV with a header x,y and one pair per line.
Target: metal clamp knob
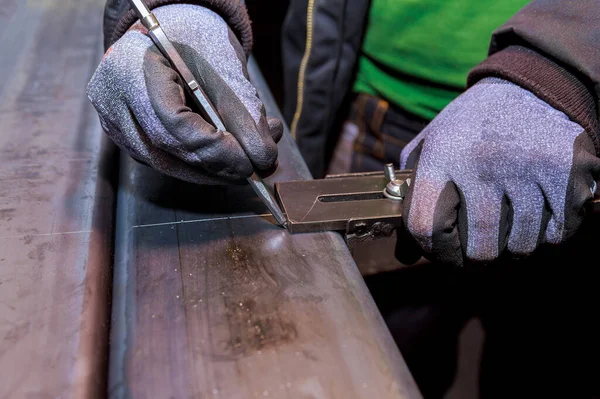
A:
x,y
395,189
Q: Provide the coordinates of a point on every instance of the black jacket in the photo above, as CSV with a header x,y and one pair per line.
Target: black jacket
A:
x,y
550,47
118,17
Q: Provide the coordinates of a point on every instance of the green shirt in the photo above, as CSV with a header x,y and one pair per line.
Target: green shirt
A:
x,y
417,53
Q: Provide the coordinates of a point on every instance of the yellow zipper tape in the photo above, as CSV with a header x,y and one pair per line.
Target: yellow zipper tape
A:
x,y
302,71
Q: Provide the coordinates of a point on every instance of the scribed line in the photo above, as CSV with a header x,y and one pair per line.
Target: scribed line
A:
x,y
142,225
203,220
311,208
48,234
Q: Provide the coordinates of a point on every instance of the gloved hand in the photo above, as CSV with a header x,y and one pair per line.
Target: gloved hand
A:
x,y
499,169
141,102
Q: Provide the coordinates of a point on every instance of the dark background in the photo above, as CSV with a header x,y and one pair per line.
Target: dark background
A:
x,y
267,20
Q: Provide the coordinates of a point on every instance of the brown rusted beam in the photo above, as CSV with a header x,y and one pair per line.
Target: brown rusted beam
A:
x,y
212,299
56,203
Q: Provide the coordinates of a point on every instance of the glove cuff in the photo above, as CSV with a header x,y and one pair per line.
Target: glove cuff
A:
x,y
232,11
547,80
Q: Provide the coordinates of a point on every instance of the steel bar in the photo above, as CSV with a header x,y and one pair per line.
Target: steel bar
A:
x,y
56,203
213,300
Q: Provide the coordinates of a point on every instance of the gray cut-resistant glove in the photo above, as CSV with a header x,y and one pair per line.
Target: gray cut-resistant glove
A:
x,y
142,106
499,169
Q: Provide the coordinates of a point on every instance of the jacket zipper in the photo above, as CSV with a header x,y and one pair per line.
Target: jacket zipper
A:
x,y
303,63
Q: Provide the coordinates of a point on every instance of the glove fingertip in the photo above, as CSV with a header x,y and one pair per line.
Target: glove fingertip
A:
x,y
275,128
264,157
269,171
433,222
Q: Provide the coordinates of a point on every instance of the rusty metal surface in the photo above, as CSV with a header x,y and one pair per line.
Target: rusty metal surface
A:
x,y
55,203
212,299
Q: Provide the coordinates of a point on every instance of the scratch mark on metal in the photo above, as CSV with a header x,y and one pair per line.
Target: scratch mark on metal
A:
x,y
311,208
48,234
203,220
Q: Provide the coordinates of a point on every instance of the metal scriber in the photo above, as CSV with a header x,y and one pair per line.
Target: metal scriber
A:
x,y
204,105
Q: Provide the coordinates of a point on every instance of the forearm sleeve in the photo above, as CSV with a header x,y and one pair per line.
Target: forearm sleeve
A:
x,y
118,18
552,48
